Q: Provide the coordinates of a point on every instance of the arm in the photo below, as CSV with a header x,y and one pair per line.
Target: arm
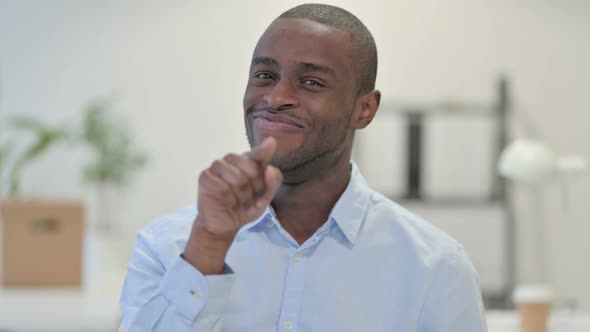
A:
x,y
189,293
454,302
177,298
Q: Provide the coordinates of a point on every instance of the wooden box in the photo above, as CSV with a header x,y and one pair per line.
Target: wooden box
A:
x,y
41,243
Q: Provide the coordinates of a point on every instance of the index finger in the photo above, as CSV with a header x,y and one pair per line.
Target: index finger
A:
x,y
263,152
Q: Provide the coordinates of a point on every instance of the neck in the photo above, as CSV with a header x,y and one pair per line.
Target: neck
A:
x,y
303,208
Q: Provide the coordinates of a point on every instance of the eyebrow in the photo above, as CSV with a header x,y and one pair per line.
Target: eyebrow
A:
x,y
306,67
303,67
261,60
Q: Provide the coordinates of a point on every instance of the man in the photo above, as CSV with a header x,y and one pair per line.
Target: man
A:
x,y
288,237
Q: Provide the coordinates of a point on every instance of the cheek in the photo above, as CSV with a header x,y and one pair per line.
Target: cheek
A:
x,y
329,130
338,124
248,98
328,115
253,96
252,99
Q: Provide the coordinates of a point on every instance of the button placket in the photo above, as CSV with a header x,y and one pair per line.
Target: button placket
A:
x,y
288,325
292,296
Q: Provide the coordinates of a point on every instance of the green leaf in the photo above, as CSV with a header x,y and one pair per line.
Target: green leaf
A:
x,y
44,138
3,153
26,123
116,158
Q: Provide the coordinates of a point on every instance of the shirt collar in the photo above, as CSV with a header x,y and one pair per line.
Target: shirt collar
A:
x,y
348,212
266,217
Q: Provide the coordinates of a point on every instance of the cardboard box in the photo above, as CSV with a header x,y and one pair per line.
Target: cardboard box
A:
x,y
41,242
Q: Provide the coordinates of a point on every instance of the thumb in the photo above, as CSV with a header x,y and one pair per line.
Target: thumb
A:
x,y
263,152
273,178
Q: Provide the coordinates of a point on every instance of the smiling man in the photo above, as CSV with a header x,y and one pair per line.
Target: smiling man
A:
x,y
288,236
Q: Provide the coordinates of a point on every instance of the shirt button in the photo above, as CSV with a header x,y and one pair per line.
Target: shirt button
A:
x,y
196,295
298,257
288,324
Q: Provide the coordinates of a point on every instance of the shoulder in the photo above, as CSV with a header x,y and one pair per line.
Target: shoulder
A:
x,y
166,236
414,235
176,220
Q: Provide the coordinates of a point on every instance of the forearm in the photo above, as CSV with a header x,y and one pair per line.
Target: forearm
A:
x,y
176,297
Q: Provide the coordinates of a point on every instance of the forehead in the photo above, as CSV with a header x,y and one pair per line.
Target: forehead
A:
x,y
294,40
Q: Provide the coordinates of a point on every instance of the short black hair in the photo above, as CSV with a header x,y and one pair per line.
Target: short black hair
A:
x,y
343,20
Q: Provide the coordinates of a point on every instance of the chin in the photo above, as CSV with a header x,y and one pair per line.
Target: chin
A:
x,y
283,159
291,161
286,144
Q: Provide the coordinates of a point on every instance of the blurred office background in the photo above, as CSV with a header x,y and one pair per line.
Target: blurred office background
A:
x,y
176,71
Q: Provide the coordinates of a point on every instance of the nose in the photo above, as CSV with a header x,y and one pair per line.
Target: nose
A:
x,y
282,96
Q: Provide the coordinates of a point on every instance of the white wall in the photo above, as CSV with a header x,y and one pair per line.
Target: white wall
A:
x,y
179,69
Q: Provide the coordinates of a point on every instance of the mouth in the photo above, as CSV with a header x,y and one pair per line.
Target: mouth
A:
x,y
276,122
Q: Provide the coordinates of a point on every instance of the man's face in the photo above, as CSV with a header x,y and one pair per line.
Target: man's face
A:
x,y
301,90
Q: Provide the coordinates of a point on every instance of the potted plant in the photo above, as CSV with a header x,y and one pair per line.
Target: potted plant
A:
x,y
36,232
45,137
115,159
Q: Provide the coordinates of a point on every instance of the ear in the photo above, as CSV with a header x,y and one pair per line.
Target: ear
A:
x,y
368,103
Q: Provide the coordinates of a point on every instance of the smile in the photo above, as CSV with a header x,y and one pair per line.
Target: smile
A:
x,y
272,122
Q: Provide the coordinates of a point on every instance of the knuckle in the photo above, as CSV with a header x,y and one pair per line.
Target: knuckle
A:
x,y
243,184
250,172
216,165
253,172
203,177
231,157
244,188
227,195
224,190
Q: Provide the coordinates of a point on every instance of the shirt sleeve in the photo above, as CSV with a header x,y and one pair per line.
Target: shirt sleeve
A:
x,y
454,302
177,297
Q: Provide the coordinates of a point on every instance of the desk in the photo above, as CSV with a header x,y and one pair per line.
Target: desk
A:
x,y
58,310
93,308
69,310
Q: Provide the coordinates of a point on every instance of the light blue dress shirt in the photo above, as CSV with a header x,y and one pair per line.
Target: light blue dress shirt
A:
x,y
373,266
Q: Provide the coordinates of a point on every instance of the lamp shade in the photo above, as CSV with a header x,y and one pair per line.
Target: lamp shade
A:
x,y
527,160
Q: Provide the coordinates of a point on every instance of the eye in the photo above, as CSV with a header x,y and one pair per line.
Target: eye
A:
x,y
312,83
263,75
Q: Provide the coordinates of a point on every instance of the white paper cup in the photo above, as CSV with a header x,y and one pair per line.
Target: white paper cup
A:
x,y
534,306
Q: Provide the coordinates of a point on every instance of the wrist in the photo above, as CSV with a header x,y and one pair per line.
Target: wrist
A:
x,y
212,237
206,252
